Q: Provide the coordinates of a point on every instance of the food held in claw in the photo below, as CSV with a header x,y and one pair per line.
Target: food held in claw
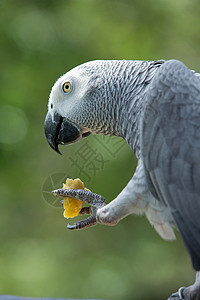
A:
x,y
72,206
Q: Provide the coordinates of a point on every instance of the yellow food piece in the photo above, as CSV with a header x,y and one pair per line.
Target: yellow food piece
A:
x,y
72,206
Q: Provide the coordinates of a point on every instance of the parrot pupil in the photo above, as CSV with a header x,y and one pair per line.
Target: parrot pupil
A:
x,y
66,87
51,105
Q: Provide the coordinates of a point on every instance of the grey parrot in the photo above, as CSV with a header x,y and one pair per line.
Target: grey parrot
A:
x,y
155,107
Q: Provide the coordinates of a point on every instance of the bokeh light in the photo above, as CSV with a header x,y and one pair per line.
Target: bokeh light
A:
x,y
13,124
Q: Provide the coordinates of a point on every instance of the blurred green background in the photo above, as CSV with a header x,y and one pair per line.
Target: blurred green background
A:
x,y
39,257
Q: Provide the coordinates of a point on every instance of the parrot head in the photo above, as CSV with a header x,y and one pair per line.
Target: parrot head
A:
x,y
96,97
80,104
68,108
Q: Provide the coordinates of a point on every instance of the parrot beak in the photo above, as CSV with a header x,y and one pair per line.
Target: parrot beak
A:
x,y
59,130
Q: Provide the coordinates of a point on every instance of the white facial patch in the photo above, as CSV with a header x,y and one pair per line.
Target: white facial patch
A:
x,y
64,102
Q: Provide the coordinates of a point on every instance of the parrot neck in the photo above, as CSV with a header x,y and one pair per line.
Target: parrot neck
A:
x,y
138,77
122,98
129,129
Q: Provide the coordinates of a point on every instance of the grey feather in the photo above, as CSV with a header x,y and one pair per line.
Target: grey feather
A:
x,y
170,147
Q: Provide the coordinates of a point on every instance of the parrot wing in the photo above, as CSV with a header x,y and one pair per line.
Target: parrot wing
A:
x,y
170,148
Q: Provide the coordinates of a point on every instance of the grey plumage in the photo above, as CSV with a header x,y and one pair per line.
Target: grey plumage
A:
x,y
155,107
170,146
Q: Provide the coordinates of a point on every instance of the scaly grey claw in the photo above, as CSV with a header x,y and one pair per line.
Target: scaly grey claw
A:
x,y
93,199
90,221
96,201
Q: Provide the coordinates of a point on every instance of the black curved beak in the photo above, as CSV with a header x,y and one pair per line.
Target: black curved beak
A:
x,y
59,130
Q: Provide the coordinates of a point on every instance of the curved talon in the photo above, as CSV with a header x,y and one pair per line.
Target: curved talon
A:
x,y
91,221
178,294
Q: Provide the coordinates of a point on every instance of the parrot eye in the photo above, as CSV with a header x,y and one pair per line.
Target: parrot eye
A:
x,y
66,87
51,106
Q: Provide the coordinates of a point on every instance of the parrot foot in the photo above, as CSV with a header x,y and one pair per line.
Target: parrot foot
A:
x,y
94,200
191,292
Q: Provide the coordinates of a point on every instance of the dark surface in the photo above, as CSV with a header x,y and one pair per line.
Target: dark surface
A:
x,y
9,297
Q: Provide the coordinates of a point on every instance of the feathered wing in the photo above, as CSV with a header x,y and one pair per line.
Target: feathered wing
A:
x,y
170,148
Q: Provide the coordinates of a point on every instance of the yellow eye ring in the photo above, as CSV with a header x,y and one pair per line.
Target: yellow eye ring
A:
x,y
66,87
